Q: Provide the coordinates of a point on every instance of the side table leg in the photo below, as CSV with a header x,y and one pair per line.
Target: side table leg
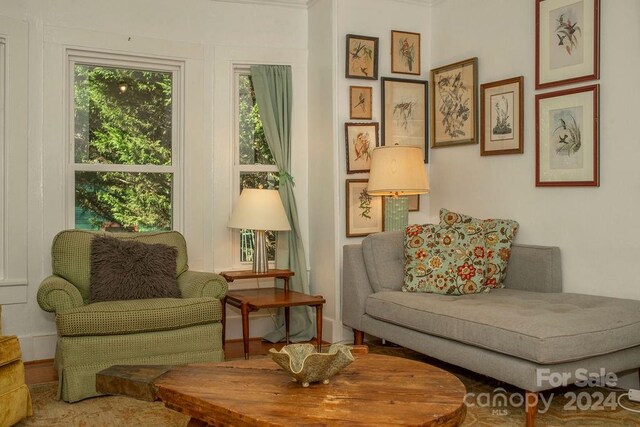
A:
x,y
224,320
286,324
245,329
319,327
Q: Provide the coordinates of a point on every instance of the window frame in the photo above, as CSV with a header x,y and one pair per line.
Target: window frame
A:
x,y
96,58
237,168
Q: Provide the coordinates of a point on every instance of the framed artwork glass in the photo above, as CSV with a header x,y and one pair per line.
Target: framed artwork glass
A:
x,y
361,139
567,41
567,128
364,212
362,57
453,104
502,117
405,52
404,113
360,102
414,202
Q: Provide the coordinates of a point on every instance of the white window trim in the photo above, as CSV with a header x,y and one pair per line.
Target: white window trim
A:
x,y
74,56
238,70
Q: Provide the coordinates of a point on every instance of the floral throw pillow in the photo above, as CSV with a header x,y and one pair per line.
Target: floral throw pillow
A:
x,y
443,259
498,235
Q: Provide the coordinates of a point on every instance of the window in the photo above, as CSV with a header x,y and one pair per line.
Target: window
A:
x,y
124,134
254,164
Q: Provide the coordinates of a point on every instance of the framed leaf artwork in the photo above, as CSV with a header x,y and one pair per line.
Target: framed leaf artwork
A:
x,y
360,102
502,117
567,42
567,146
364,212
361,139
453,104
405,52
404,113
362,57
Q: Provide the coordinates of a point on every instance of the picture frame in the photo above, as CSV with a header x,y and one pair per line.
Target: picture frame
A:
x,y
404,113
361,57
364,212
405,52
360,102
567,42
502,117
360,140
454,104
414,202
567,142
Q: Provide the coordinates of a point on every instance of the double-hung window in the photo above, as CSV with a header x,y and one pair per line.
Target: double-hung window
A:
x,y
254,166
125,132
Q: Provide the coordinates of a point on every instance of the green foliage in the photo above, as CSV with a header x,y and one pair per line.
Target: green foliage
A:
x,y
130,127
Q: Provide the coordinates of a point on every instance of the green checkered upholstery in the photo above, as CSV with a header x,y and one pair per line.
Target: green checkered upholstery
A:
x,y
159,331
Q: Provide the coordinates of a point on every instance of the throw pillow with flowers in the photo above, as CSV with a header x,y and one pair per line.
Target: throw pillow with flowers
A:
x,y
498,234
443,259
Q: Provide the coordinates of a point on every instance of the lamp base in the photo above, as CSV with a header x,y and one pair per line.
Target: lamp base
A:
x,y
396,213
260,259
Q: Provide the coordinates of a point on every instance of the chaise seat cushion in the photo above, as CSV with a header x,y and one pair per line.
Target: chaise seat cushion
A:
x,y
136,316
545,328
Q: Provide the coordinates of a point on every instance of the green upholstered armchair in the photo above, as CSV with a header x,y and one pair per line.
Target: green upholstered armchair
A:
x,y
158,331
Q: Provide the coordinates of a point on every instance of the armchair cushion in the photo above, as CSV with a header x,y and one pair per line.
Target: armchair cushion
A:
x,y
128,269
137,316
71,253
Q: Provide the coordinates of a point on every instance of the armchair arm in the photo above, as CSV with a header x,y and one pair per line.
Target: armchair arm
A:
x,y
56,294
195,284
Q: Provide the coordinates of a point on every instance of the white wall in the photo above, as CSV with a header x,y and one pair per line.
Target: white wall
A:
x,y
595,228
208,37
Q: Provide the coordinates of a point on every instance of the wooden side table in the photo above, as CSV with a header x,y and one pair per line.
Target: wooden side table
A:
x,y
248,300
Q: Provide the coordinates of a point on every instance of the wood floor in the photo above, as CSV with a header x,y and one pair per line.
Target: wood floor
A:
x,y
42,371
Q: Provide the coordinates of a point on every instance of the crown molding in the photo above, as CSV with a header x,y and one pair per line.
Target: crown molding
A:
x,y
303,4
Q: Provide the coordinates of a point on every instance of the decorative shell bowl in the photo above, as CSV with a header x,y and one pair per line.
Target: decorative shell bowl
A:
x,y
307,366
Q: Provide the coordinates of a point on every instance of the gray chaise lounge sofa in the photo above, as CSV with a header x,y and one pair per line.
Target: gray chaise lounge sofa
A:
x,y
507,334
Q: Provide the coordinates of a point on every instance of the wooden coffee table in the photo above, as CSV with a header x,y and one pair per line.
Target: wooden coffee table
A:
x,y
373,390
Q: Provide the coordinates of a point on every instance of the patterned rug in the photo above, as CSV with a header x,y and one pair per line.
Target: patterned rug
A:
x,y
492,403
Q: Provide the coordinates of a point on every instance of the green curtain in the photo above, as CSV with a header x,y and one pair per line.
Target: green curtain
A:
x,y
272,85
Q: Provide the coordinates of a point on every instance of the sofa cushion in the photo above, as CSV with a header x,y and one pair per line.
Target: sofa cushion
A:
x,y
9,349
444,259
136,316
544,328
128,269
498,236
71,252
384,257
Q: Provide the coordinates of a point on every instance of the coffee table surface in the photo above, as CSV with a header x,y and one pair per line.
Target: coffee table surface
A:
x,y
373,390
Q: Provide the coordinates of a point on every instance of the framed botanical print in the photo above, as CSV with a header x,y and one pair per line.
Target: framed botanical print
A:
x,y
567,128
404,113
360,102
501,117
364,212
453,104
361,139
405,52
362,57
567,41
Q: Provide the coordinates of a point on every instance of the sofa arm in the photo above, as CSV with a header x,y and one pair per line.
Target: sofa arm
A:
x,y
195,284
56,294
355,286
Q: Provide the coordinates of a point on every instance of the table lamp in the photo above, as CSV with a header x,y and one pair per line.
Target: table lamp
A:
x,y
397,171
259,210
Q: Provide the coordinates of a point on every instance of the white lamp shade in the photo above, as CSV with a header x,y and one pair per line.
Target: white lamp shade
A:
x,y
397,170
259,209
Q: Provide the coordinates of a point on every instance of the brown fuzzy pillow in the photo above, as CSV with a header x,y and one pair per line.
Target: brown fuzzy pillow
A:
x,y
128,269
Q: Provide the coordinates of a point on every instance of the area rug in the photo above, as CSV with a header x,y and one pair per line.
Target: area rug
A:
x,y
490,403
